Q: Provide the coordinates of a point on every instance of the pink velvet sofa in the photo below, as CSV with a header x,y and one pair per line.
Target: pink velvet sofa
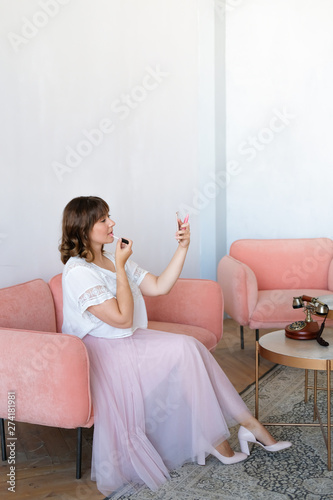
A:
x,y
48,371
259,279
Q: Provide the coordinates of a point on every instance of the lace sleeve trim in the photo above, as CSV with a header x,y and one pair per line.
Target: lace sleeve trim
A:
x,y
94,296
138,275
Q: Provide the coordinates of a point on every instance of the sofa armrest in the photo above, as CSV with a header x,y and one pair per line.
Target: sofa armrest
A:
x,y
240,289
55,285
195,302
49,373
330,277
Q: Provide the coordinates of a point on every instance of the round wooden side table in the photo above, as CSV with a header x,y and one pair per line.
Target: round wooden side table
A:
x,y
306,354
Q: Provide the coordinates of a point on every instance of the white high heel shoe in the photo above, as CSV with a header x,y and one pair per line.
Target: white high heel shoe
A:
x,y
245,437
237,457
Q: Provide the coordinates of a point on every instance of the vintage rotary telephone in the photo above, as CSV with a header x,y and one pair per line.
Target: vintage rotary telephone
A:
x,y
308,329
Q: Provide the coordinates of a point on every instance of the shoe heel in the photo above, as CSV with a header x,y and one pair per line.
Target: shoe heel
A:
x,y
244,446
201,458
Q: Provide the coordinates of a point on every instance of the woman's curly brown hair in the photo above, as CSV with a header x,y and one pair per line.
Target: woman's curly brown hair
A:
x,y
79,216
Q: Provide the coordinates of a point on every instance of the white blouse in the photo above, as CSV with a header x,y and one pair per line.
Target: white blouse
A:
x,y
84,284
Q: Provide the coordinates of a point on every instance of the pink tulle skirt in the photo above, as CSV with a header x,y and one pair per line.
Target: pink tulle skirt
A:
x,y
160,400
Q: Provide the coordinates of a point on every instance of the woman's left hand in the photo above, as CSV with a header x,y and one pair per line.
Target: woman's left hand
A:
x,y
183,235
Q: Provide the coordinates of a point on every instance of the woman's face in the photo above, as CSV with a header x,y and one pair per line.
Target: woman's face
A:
x,y
102,231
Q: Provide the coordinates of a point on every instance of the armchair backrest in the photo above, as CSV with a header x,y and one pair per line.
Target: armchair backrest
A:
x,y
28,306
287,263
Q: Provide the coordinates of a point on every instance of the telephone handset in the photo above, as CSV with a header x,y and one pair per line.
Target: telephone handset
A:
x,y
308,329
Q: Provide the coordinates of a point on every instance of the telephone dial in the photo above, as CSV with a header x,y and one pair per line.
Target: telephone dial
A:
x,y
308,329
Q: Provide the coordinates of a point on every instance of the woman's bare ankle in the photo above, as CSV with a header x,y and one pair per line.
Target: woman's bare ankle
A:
x,y
225,449
259,431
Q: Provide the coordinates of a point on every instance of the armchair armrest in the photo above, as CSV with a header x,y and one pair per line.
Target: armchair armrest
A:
x,y
330,276
240,289
195,302
49,373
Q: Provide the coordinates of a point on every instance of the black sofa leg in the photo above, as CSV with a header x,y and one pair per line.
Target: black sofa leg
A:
x,y
242,336
79,453
3,440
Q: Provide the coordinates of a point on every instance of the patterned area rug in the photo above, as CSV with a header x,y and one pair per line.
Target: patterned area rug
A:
x,y
297,473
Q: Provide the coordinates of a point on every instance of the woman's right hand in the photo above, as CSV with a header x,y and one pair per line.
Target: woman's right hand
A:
x,y
123,252
118,311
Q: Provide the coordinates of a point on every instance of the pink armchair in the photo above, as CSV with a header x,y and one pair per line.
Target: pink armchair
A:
x,y
259,278
49,371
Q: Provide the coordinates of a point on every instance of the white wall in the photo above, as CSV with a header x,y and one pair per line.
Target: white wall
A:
x,y
67,68
207,82
279,61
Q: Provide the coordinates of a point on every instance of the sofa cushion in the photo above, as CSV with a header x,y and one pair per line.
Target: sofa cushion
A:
x,y
206,337
289,263
28,306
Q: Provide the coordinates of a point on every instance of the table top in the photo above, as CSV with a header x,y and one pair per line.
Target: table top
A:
x,y
278,348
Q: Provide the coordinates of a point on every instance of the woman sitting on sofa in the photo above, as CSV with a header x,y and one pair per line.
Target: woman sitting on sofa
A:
x,y
160,399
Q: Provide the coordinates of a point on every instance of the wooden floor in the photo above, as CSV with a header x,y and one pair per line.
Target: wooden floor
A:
x,y
237,363
45,456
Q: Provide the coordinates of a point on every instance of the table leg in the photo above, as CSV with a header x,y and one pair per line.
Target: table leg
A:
x,y
306,384
315,388
257,382
328,368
